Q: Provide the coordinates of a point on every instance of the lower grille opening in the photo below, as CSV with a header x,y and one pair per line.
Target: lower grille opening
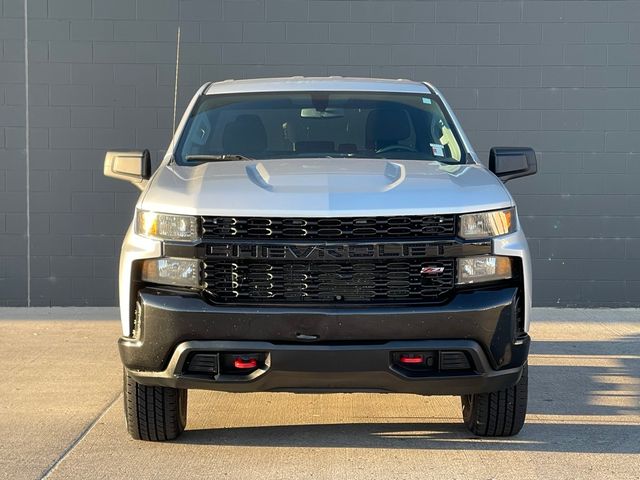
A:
x,y
454,361
202,364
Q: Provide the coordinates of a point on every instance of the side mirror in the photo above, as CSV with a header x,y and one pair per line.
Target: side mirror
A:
x,y
134,167
512,162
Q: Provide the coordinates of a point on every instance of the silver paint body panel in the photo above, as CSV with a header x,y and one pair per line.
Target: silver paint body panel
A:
x,y
319,187
324,187
316,84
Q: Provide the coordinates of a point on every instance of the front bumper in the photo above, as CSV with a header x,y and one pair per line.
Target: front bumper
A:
x,y
352,348
337,368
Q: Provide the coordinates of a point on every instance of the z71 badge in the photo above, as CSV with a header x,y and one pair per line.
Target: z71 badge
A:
x,y
431,270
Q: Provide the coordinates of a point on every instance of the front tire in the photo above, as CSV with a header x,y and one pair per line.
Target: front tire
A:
x,y
497,414
154,413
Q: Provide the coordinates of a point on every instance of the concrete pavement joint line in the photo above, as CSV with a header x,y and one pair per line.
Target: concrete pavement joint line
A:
x,y
78,439
605,356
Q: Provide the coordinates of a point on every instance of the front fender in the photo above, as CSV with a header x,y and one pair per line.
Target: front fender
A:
x,y
515,245
134,247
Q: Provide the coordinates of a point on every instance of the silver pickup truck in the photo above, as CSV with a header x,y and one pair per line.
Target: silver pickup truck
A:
x,y
323,235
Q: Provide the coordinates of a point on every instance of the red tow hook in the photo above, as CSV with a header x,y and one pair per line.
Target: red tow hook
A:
x,y
411,359
245,363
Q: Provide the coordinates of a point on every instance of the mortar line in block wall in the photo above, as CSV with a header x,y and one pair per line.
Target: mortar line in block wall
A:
x,y
26,148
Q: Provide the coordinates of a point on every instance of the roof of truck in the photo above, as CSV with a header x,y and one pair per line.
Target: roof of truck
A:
x,y
305,84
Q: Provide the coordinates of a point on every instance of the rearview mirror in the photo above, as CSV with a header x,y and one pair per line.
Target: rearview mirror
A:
x,y
326,113
134,167
512,162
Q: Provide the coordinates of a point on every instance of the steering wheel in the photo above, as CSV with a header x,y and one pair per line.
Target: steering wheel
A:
x,y
394,148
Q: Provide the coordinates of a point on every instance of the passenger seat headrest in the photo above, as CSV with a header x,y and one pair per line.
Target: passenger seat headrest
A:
x,y
386,126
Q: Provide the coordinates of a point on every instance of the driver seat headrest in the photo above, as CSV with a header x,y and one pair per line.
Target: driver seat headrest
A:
x,y
246,134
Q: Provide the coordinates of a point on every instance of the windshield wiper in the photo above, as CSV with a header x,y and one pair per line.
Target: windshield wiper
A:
x,y
221,157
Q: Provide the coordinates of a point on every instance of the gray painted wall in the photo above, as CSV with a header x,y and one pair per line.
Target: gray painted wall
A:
x,y
561,76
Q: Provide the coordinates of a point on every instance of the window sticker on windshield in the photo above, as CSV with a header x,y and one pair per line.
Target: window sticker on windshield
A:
x,y
426,100
437,149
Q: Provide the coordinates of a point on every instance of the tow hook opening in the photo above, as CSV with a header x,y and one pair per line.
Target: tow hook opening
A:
x,y
241,363
414,363
417,364
225,363
245,362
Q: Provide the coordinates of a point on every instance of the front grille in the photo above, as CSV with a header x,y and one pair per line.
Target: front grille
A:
x,y
351,260
348,228
288,282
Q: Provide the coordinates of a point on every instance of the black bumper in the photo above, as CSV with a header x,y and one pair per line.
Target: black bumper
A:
x,y
353,348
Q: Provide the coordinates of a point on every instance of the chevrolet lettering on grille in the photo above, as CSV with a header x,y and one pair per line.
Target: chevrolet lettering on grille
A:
x,y
318,252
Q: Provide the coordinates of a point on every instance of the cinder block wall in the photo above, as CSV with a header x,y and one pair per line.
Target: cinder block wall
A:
x,y
561,76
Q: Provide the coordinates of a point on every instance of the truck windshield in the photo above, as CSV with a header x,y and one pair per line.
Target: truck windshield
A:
x,y
319,124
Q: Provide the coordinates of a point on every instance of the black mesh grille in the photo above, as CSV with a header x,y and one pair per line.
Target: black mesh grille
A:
x,y
353,228
280,279
384,281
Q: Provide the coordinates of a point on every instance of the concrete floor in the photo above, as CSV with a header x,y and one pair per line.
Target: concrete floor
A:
x,y
61,413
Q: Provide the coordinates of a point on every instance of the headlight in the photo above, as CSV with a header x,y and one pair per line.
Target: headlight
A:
x,y
487,224
483,269
163,226
183,272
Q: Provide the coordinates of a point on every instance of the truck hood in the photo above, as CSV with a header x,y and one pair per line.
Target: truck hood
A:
x,y
323,187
